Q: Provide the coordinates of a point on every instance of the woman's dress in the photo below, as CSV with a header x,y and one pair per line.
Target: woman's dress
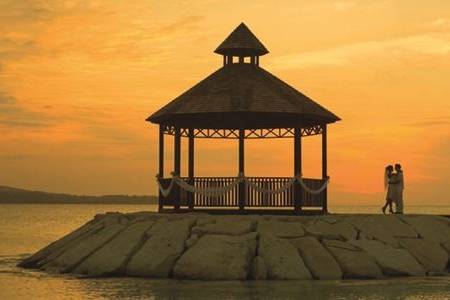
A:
x,y
391,190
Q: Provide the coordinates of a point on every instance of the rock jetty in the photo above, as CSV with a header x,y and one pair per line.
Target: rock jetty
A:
x,y
208,247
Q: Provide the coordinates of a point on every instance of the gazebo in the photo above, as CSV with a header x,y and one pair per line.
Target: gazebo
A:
x,y
241,101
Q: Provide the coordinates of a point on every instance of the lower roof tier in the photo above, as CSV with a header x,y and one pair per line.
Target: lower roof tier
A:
x,y
242,95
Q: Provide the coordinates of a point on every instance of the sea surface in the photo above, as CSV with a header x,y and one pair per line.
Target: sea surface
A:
x,y
25,228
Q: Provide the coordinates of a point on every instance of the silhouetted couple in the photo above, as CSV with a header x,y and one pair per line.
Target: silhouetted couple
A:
x,y
393,182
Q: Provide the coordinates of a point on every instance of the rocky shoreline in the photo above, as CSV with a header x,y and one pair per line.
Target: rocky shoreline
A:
x,y
207,247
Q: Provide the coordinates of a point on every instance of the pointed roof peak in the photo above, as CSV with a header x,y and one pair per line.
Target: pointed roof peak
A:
x,y
241,42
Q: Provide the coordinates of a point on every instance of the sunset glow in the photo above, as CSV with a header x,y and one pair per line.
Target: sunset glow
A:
x,y
78,79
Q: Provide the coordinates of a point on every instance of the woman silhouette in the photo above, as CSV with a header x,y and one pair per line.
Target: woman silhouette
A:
x,y
388,176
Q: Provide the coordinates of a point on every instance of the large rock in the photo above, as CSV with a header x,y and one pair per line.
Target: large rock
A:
x,y
281,259
112,257
429,227
430,254
393,261
336,230
353,262
280,228
382,228
79,251
53,250
318,260
224,226
217,257
165,244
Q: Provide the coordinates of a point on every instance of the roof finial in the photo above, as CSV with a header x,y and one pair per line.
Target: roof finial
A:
x,y
242,43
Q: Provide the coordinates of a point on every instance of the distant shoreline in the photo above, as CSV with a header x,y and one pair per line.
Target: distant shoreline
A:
x,y
9,195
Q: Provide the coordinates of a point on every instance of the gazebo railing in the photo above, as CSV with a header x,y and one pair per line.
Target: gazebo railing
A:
x,y
252,197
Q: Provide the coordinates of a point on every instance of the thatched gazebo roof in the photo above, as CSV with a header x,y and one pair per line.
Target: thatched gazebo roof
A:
x,y
242,95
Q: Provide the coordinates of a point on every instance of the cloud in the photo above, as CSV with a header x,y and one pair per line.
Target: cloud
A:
x,y
427,122
440,24
13,156
426,44
182,24
7,99
14,115
24,11
15,48
343,5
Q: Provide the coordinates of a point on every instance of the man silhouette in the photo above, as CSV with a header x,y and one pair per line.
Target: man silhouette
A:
x,y
399,186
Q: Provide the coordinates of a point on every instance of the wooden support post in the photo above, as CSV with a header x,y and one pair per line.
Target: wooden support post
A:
x,y
242,192
191,167
161,166
324,168
257,60
252,60
224,60
177,166
241,59
297,169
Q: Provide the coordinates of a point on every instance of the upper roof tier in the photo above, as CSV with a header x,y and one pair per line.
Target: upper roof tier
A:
x,y
241,42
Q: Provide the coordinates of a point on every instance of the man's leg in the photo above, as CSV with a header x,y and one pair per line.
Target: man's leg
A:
x,y
400,202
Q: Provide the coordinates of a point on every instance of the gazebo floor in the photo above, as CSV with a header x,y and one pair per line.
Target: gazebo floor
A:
x,y
247,211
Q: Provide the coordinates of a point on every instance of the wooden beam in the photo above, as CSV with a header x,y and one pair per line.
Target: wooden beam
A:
x,y
242,193
297,168
177,166
161,165
324,167
191,166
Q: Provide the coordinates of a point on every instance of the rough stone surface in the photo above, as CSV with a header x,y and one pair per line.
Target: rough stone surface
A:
x,y
280,228
165,244
428,253
74,255
112,257
57,245
429,227
258,269
229,227
382,228
317,259
393,261
446,246
282,259
217,257
341,245
327,230
354,263
192,240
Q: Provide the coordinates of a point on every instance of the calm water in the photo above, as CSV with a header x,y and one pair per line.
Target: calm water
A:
x,y
26,228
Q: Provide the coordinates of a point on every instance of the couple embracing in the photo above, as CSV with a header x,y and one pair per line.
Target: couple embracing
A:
x,y
393,182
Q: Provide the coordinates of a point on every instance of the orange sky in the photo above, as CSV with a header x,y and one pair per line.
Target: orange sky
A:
x,y
78,78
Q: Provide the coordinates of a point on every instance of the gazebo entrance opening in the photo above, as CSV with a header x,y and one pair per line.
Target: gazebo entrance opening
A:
x,y
241,192
241,101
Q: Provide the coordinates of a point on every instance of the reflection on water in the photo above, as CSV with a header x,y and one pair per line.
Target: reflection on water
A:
x,y
27,228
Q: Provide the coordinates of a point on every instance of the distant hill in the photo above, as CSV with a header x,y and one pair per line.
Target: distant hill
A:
x,y
14,195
